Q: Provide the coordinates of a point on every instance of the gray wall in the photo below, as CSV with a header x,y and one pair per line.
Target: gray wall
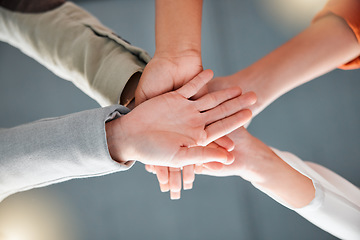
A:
x,y
318,121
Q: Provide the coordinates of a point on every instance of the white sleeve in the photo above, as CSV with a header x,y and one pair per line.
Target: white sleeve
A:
x,y
77,47
336,206
57,149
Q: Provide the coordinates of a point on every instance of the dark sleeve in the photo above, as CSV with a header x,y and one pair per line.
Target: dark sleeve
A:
x,y
31,6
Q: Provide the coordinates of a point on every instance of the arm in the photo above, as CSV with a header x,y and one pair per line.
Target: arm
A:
x,y
177,59
74,45
185,37
326,44
177,56
55,150
319,195
336,206
83,145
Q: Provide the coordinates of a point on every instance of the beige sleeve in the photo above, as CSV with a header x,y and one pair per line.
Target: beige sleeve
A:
x,y
75,46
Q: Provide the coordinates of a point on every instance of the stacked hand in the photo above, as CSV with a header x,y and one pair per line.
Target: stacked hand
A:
x,y
164,74
171,130
258,164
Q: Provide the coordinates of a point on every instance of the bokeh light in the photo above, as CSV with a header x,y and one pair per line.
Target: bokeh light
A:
x,y
290,15
36,215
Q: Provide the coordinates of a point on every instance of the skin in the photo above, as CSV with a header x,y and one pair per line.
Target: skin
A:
x,y
257,163
319,49
158,133
177,59
314,52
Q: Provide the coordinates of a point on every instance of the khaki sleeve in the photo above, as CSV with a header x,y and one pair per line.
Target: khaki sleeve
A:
x,y
349,10
75,46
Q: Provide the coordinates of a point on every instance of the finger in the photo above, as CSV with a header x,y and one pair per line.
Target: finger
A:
x,y
202,92
175,195
209,172
217,164
139,96
162,174
188,177
150,168
175,183
225,142
214,166
194,85
164,187
196,155
212,100
230,107
227,125
198,168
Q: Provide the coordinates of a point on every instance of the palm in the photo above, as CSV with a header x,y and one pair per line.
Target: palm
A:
x,y
183,119
171,128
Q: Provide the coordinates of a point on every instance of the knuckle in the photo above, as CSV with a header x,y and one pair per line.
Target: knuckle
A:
x,y
224,109
213,98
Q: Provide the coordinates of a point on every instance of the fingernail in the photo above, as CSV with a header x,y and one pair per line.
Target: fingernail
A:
x,y
164,187
230,159
188,186
174,195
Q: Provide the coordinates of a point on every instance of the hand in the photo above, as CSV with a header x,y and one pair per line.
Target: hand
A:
x,y
254,160
170,178
171,130
258,164
248,82
164,74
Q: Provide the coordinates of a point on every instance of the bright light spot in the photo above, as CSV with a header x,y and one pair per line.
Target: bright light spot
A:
x,y
14,236
35,215
291,14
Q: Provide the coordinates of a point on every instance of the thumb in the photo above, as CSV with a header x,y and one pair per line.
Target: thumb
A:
x,y
139,96
195,84
197,155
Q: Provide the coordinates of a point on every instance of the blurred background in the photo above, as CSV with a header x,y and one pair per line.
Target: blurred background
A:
x,y
318,121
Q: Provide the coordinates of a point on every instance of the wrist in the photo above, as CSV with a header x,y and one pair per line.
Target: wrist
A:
x,y
176,51
258,81
116,137
265,79
289,185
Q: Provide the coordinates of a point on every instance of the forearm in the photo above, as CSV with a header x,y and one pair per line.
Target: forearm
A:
x,y
323,46
74,45
336,205
287,184
55,150
178,27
